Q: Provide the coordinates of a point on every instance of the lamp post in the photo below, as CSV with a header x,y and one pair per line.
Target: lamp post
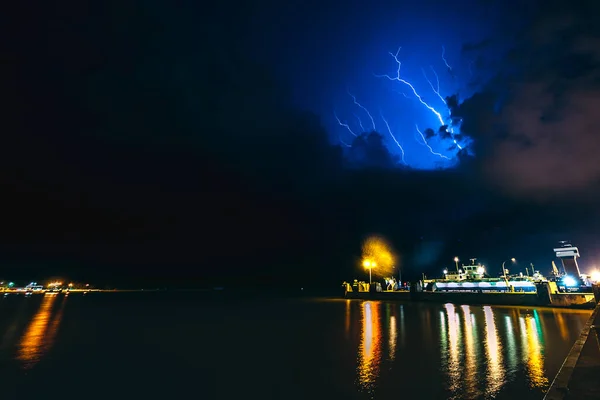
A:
x,y
456,262
369,265
504,270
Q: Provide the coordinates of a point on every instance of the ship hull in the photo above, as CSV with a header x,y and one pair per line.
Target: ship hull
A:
x,y
561,300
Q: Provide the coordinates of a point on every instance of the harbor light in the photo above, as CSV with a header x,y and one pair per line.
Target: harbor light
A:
x,y
369,265
569,281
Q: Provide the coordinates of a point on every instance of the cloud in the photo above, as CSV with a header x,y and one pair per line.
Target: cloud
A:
x,y
536,122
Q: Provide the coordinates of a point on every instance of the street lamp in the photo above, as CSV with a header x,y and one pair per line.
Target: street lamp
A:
x,y
456,262
369,265
504,269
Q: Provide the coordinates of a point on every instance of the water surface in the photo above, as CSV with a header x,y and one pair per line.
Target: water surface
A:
x,y
152,345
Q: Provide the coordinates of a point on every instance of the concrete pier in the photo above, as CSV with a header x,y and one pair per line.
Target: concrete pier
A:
x,y
579,376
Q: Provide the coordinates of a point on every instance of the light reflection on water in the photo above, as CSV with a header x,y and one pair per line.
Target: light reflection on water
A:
x,y
39,336
369,355
496,377
481,349
471,354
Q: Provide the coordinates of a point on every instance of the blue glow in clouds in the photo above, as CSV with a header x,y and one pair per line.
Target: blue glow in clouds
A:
x,y
438,144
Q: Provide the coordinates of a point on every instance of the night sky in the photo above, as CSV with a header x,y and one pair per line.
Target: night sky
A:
x,y
188,143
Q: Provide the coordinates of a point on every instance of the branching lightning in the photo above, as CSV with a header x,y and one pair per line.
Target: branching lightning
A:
x,y
393,137
445,61
428,146
436,88
363,108
397,78
446,128
344,143
360,123
345,125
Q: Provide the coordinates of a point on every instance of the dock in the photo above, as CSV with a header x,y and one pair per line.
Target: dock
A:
x,y
579,376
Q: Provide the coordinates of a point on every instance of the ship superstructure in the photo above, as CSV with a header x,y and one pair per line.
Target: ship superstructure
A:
x,y
473,278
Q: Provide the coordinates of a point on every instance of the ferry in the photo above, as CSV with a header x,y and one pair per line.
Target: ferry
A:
x,y
473,278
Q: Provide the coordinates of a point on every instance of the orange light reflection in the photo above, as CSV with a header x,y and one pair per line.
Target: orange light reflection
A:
x,y
347,324
370,346
562,326
31,347
393,337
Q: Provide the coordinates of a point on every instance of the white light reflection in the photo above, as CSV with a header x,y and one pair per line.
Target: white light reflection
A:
x,y
453,366
496,373
470,371
402,328
511,346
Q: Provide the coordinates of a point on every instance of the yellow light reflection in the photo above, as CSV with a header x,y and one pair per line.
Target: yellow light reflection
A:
x,y
496,373
369,355
393,337
32,345
453,366
347,324
470,371
534,356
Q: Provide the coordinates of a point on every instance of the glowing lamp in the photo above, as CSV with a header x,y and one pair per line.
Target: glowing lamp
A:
x,y
369,264
595,276
480,270
569,281
445,271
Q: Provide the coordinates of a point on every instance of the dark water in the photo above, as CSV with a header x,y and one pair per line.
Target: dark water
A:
x,y
164,345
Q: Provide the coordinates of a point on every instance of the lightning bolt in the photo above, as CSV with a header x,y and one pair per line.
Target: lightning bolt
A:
x,y
428,146
344,143
436,88
345,125
398,78
444,59
363,108
360,123
393,137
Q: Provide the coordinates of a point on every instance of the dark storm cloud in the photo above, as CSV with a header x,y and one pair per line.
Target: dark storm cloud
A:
x,y
544,140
